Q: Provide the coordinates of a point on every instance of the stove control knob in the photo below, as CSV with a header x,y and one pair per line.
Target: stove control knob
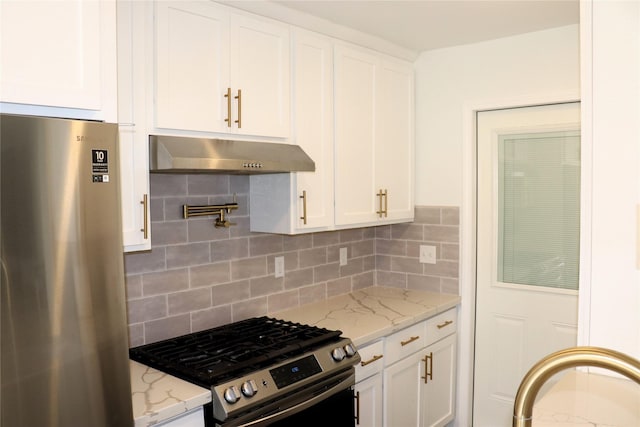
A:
x,y
338,354
232,395
350,350
249,388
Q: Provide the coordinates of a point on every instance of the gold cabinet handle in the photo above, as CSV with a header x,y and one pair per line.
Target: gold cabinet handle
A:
x,y
442,325
370,361
304,207
410,340
357,397
228,96
385,203
145,208
382,195
239,98
428,368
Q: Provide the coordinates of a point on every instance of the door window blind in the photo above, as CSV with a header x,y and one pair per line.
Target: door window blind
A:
x,y
539,209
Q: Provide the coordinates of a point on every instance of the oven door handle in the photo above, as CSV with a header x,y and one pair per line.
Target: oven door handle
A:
x,y
343,385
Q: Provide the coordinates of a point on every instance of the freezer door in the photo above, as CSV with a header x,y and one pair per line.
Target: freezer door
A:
x,y
63,317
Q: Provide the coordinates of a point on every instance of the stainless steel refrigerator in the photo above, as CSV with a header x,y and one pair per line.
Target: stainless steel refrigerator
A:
x,y
63,319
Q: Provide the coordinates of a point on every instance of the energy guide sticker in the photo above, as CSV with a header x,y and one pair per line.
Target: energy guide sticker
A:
x,y
99,165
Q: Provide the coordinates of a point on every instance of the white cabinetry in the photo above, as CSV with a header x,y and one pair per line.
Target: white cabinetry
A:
x,y
58,55
408,378
303,201
134,21
193,418
369,402
364,164
439,387
373,137
368,386
394,141
419,373
220,71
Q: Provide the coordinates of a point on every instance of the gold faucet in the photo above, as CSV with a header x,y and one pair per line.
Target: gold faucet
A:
x,y
563,359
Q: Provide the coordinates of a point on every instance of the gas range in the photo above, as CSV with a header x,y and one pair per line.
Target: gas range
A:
x,y
256,367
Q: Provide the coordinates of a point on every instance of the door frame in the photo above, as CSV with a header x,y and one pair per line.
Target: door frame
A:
x,y
464,397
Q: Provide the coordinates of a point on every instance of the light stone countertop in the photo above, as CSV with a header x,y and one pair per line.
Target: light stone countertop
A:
x,y
362,316
158,397
371,313
581,399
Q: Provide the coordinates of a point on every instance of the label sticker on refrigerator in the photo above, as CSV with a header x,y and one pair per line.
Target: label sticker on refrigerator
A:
x,y
100,165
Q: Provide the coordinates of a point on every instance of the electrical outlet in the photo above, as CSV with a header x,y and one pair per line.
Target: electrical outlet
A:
x,y
279,266
427,254
343,256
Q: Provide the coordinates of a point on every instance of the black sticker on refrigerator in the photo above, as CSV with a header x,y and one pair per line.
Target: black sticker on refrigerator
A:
x,y
100,165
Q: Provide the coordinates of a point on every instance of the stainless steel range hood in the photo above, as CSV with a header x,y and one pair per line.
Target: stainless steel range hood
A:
x,y
173,154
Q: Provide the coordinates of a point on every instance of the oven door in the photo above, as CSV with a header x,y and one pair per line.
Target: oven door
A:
x,y
329,401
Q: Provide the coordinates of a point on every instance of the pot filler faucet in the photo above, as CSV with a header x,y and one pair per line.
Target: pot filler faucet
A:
x,y
569,358
205,210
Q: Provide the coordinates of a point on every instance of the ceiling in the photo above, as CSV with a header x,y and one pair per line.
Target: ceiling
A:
x,y
421,25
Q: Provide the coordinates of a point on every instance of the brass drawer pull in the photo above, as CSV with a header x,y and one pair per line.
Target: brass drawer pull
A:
x,y
304,207
239,98
410,340
228,96
382,211
386,199
373,359
428,368
145,225
447,323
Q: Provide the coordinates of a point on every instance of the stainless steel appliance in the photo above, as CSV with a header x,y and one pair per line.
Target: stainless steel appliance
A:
x,y
63,319
178,154
264,371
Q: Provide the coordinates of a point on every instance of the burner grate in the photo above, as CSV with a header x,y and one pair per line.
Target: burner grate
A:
x,y
215,355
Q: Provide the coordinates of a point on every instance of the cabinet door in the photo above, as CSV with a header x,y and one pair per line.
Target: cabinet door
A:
x,y
313,128
394,148
259,59
369,402
193,418
402,392
58,54
439,391
133,60
355,108
192,66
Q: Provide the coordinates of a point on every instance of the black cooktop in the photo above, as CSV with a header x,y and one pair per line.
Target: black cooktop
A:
x,y
215,355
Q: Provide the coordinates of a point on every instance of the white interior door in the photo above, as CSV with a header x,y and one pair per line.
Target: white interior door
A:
x,y
527,248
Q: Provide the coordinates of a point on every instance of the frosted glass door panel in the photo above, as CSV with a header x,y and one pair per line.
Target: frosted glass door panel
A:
x,y
539,209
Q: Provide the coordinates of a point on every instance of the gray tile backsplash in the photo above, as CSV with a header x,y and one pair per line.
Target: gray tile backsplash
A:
x,y
197,276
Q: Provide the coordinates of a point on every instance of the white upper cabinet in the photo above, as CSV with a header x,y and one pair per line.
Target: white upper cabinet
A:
x,y
59,54
313,122
355,120
394,138
374,138
220,71
303,201
133,66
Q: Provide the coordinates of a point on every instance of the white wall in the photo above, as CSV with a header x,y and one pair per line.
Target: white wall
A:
x,y
525,66
527,69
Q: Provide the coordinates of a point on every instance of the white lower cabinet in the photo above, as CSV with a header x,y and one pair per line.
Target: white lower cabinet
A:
x,y
368,387
415,384
439,388
369,402
193,418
